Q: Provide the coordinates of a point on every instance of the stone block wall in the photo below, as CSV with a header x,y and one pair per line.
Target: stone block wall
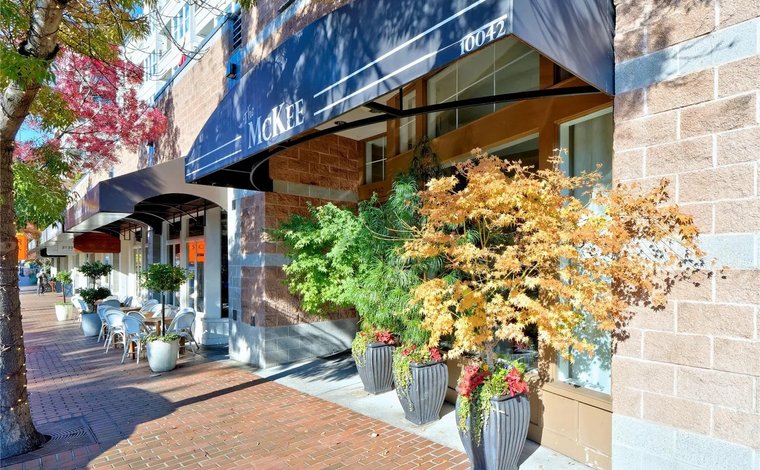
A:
x,y
686,383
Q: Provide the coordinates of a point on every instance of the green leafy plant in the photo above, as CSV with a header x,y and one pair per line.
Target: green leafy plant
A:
x,y
404,357
364,338
323,253
478,384
94,270
64,277
425,164
163,278
166,338
92,294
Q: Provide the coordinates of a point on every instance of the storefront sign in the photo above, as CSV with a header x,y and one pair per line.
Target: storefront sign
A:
x,y
371,47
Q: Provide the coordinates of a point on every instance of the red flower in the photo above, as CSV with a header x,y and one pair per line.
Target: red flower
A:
x,y
385,336
408,350
472,378
435,354
515,383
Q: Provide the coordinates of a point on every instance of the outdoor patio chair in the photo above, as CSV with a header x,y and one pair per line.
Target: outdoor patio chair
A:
x,y
182,325
127,301
137,315
111,302
115,322
133,331
148,304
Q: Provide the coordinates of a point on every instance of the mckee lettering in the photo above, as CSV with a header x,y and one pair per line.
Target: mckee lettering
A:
x,y
280,119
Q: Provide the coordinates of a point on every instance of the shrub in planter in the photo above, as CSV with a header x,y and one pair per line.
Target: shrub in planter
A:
x,y
493,414
162,351
90,295
64,310
91,322
373,354
421,378
163,278
544,250
64,277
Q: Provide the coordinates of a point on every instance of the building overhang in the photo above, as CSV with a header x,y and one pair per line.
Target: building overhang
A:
x,y
365,50
117,198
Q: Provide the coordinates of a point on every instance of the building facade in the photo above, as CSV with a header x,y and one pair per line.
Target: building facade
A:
x,y
304,102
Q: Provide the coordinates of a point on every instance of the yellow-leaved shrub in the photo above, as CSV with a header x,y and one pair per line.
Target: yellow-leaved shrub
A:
x,y
526,250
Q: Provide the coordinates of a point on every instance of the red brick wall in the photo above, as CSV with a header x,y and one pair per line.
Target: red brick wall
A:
x,y
330,162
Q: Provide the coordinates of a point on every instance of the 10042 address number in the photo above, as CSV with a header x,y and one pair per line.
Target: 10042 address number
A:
x,y
482,36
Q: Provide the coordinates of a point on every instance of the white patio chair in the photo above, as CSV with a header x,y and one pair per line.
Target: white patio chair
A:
x,y
115,322
137,315
182,325
148,304
133,332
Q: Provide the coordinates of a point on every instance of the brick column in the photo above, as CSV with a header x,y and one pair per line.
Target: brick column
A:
x,y
686,391
268,326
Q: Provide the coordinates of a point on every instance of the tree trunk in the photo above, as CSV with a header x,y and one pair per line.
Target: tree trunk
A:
x,y
17,432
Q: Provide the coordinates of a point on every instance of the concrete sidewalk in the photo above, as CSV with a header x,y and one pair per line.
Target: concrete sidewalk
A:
x,y
335,379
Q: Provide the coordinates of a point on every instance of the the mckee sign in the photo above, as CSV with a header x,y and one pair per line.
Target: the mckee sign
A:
x,y
370,47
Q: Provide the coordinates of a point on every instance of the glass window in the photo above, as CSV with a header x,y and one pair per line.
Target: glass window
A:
x,y
374,159
507,66
196,257
524,150
588,143
407,132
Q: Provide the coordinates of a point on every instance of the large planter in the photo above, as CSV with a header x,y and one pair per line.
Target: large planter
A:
x,y
162,355
91,324
423,399
64,312
503,436
377,371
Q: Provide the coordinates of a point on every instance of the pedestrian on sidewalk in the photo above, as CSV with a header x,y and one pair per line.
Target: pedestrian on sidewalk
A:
x,y
40,282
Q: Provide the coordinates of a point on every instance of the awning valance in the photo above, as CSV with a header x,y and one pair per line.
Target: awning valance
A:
x,y
366,49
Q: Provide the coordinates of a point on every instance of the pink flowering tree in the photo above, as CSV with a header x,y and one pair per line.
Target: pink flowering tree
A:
x,y
83,119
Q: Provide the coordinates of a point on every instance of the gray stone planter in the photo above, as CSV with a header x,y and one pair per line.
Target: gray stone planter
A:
x,y
423,399
91,324
377,371
503,436
162,355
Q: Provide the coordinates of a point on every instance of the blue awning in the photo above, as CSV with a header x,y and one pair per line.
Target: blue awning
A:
x,y
370,47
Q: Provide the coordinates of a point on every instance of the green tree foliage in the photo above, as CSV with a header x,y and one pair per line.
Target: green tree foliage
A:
x,y
340,258
161,277
324,252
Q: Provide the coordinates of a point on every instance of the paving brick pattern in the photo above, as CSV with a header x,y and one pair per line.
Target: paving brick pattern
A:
x,y
204,414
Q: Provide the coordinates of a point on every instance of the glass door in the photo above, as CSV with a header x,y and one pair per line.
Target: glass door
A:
x,y
173,257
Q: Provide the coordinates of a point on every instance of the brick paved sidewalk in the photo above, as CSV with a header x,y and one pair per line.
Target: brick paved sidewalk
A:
x,y
204,414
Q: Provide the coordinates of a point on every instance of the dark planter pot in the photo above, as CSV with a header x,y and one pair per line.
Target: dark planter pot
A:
x,y
423,400
377,371
503,436
91,324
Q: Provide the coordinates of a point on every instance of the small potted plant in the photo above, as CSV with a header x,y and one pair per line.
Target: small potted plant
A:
x,y
421,379
373,353
493,413
64,310
163,349
91,323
